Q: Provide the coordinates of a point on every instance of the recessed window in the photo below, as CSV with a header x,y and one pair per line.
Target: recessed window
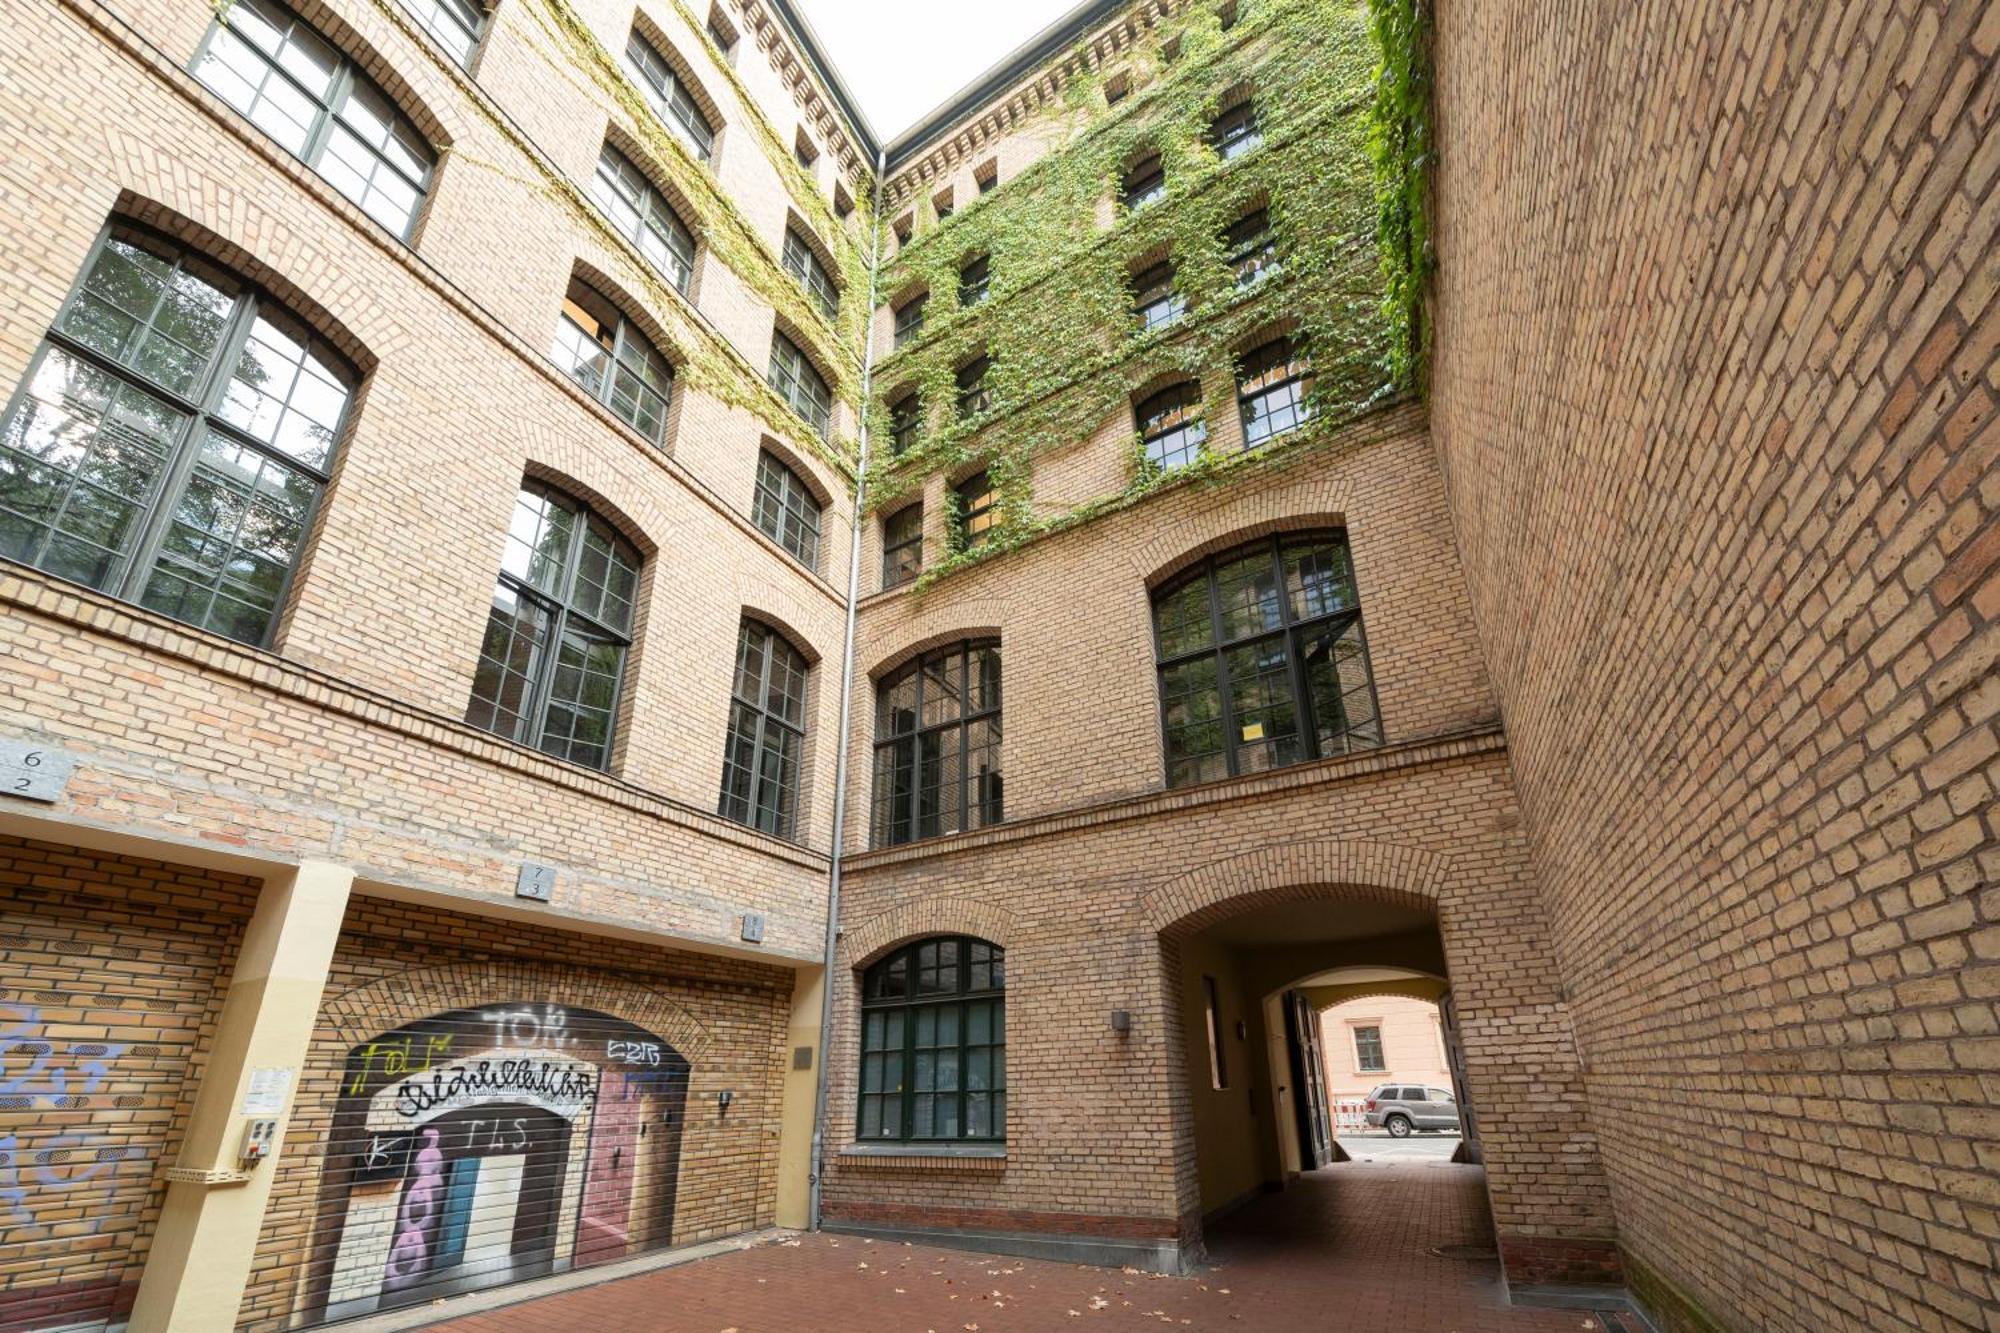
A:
x,y
1171,426
1218,1059
799,384
785,510
906,424
642,216
1249,248
1274,390
1227,15
172,439
1235,131
615,363
910,318
976,515
668,94
937,745
453,24
1155,300
802,263
843,202
803,151
987,178
1117,88
941,205
975,396
1368,1050
902,545
1262,660
975,281
1145,183
553,661
722,32
291,83
905,227
767,732
934,1045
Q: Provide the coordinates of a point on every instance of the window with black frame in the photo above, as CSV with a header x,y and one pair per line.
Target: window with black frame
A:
x,y
1275,390
1154,298
552,664
975,281
642,215
172,438
455,25
1145,182
614,362
906,423
669,96
977,515
1250,249
803,264
1368,1049
799,384
1172,428
937,745
291,83
767,732
1235,131
934,1044
1262,660
902,545
910,318
975,397
786,510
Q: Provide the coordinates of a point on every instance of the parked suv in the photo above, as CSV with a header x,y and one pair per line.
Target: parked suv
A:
x,y
1401,1108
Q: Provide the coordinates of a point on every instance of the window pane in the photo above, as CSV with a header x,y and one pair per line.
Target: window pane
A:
x,y
583,693
1335,663
1247,594
1181,619
284,394
1318,579
785,510
149,312
642,215
455,24
669,96
510,659
1191,700
1260,700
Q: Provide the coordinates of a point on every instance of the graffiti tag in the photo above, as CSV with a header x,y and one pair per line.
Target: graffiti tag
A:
x,y
633,1052
555,1083
393,1058
36,1069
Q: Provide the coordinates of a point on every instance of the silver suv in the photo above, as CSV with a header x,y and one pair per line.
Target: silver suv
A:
x,y
1402,1108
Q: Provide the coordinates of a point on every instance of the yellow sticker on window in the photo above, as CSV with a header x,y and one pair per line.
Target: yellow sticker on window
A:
x,y
1254,732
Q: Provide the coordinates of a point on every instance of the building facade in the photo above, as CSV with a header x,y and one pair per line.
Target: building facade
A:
x,y
596,658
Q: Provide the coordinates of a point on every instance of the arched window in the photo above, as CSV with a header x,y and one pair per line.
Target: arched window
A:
x,y
172,438
1235,131
934,1044
799,383
293,85
1262,660
803,263
669,96
606,353
553,661
454,24
937,744
785,510
1275,390
643,216
1155,300
1249,248
1171,425
1145,182
767,732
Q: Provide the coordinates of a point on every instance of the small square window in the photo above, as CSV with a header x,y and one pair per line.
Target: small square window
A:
x,y
722,32
987,178
976,518
1117,88
975,281
804,152
941,204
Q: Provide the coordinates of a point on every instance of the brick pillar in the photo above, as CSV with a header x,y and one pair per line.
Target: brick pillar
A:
x,y
200,1257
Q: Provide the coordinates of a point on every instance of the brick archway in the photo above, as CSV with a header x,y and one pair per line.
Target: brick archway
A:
x,y
1329,869
931,916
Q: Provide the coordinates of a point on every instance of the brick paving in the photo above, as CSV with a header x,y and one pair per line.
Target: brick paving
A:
x,y
1347,1247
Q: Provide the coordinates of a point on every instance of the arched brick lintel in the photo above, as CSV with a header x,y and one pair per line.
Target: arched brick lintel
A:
x,y
882,932
1330,869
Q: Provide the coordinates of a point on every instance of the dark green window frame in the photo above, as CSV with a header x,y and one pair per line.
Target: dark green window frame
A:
x,y
934,1044
976,515
804,264
1145,183
903,545
640,213
794,378
785,509
765,748
670,95
608,356
910,319
937,745
456,25
975,396
906,423
1172,429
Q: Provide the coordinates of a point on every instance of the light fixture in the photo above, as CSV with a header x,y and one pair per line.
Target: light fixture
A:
x,y
1121,1021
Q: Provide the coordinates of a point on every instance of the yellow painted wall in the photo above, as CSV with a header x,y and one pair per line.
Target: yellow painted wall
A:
x,y
1234,1146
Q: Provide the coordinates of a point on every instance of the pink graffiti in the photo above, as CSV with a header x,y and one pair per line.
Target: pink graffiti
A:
x,y
409,1256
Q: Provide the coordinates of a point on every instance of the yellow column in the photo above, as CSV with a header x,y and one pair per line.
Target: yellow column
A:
x,y
200,1257
795,1128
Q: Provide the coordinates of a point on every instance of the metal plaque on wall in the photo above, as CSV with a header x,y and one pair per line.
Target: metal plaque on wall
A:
x,y
31,772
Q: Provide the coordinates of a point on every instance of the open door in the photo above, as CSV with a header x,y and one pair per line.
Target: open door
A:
x,y
1468,1123
1309,1077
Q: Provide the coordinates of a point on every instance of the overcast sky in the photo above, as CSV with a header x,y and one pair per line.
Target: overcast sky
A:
x,y
901,58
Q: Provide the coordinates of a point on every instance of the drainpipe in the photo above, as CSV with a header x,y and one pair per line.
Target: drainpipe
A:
x,y
846,711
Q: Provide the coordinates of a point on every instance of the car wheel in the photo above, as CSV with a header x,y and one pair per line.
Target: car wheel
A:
x,y
1398,1126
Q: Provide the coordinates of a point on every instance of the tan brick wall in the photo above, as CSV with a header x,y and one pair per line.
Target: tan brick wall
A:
x,y
1716,323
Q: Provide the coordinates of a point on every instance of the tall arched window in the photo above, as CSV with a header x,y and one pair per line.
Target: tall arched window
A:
x,y
172,438
644,217
937,744
1262,660
292,84
553,660
615,363
669,95
934,1044
767,732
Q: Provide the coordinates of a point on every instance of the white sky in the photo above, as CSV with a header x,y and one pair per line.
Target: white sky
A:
x,y
901,58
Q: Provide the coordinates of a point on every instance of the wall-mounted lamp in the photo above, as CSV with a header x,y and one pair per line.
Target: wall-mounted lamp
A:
x,y
1121,1021
722,1100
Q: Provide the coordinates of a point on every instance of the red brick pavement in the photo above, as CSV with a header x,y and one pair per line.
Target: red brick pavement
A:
x,y
1345,1248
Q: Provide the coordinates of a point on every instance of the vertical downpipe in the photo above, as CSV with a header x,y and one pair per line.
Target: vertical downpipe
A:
x,y
827,981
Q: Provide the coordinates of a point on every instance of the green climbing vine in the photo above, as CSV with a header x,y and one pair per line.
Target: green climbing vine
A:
x,y
1401,146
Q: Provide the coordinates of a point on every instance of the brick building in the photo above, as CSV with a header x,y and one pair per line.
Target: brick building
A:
x,y
614,660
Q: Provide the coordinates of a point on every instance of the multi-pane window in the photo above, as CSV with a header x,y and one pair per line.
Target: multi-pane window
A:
x,y
1171,425
767,732
785,510
1249,248
453,24
1273,392
906,423
975,397
1262,660
553,659
975,281
799,384
1368,1050
291,83
902,545
1235,131
643,216
937,745
800,261
910,318
976,515
669,96
1155,300
934,1044
606,353
941,205
1145,183
171,439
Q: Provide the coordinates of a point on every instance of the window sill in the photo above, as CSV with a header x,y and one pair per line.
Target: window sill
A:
x,y
925,1157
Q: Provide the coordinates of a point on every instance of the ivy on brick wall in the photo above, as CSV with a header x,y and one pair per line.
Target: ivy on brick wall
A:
x,y
1401,145
1066,348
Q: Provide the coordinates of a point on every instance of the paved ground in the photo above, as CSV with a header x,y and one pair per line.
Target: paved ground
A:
x,y
1416,1148
1347,1248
